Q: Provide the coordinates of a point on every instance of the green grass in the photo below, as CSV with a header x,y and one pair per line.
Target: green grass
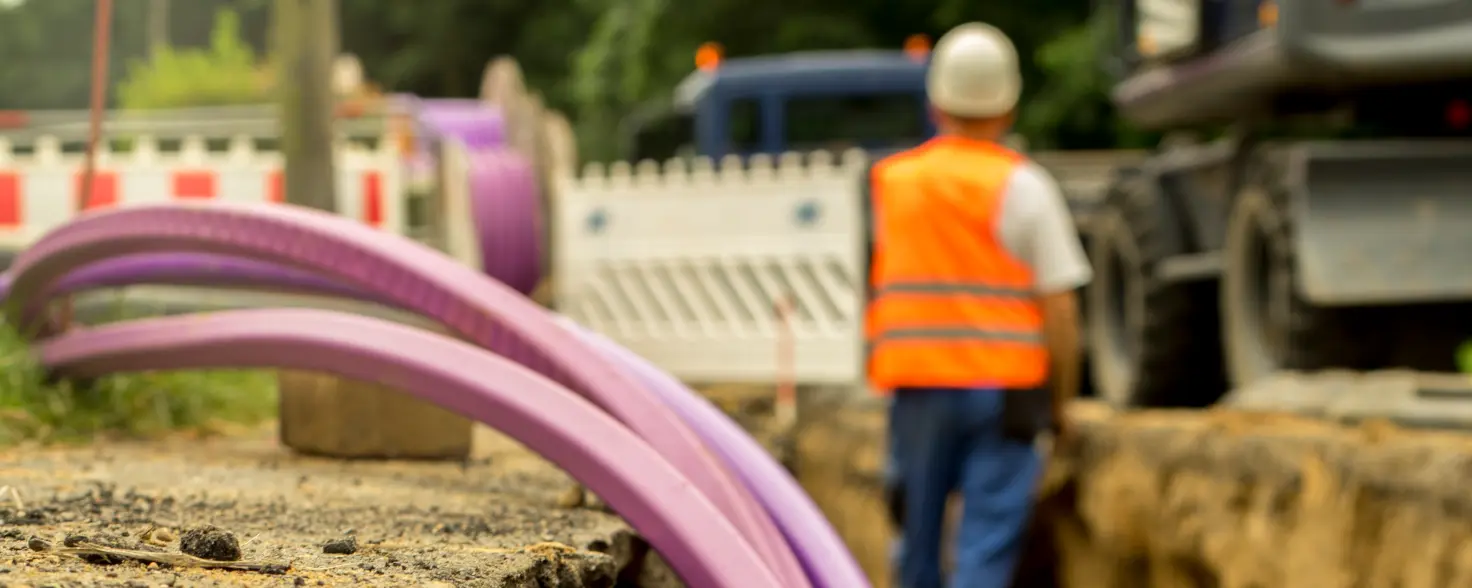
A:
x,y
131,405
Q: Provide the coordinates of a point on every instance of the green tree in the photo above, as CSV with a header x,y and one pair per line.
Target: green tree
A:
x,y
1071,107
46,51
225,73
595,59
639,49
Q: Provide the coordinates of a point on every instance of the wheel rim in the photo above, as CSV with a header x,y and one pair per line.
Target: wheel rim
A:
x,y
1116,314
1262,283
1270,293
1120,314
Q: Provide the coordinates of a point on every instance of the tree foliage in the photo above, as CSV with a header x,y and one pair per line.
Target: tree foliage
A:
x,y
1071,108
45,52
595,59
225,73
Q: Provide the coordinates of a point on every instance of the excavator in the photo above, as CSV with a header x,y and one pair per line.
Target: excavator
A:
x,y
1309,207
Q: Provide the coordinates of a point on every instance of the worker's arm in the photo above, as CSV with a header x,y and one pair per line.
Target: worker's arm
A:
x,y
1060,331
1038,228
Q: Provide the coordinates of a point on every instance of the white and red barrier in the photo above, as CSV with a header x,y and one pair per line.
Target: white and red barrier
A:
x,y
688,263
42,189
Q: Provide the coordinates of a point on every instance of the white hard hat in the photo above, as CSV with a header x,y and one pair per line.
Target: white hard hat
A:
x,y
974,72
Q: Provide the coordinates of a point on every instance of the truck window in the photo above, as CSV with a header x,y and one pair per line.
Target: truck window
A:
x,y
743,126
870,121
663,138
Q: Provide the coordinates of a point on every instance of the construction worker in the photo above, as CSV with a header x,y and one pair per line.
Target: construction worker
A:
x,y
972,317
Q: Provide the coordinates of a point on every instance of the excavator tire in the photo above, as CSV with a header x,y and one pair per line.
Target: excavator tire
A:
x,y
1151,342
1266,323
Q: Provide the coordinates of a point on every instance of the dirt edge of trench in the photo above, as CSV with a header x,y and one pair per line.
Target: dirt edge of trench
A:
x,y
1195,499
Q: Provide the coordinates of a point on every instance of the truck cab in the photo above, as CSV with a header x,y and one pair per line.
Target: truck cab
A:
x,y
805,101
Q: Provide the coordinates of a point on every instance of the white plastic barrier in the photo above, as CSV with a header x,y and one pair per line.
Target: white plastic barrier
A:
x,y
39,188
687,265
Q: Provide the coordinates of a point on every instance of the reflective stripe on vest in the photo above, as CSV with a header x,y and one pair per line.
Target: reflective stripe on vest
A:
x,y
950,306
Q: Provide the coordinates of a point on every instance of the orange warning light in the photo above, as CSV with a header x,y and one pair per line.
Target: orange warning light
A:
x,y
917,46
708,56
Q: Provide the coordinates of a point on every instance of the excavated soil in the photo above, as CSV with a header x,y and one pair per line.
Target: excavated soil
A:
x,y
839,460
1238,500
1204,499
492,521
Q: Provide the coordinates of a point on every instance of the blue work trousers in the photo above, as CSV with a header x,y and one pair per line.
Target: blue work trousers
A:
x,y
951,439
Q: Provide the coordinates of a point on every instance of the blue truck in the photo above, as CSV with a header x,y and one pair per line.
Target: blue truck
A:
x,y
803,101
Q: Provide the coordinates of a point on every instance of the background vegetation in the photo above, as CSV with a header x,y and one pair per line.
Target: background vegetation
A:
x,y
32,408
594,59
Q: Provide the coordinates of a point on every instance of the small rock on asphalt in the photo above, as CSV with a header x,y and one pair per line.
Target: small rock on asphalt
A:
x,y
210,542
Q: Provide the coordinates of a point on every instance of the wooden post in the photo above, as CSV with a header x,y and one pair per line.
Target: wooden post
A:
x,y
323,414
306,37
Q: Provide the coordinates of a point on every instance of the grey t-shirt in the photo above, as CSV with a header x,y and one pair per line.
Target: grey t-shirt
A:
x,y
1037,228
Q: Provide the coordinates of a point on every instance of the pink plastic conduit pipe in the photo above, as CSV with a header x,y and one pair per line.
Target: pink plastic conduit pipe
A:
x,y
823,555
410,276
597,450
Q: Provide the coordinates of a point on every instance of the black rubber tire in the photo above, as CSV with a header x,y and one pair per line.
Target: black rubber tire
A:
x,y
1151,342
1267,326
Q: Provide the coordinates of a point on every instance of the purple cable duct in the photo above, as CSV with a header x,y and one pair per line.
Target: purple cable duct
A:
x,y
504,196
410,276
824,556
477,125
197,269
508,217
659,502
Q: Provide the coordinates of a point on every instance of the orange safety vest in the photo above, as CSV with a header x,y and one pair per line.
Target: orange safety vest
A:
x,y
950,307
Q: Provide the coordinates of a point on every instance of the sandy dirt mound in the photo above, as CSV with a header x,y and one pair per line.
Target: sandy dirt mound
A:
x,y
838,457
1236,500
493,521
1207,499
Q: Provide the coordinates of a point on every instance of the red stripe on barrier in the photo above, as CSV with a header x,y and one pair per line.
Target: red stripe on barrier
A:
x,y
373,198
104,190
276,187
194,185
10,200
